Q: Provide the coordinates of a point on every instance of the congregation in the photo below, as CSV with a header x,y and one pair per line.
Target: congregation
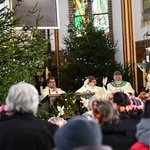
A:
x,y
116,119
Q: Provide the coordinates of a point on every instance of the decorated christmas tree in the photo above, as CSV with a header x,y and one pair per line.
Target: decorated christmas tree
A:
x,y
89,51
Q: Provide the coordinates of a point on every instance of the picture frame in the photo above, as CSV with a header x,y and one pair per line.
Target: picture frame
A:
x,y
47,9
145,12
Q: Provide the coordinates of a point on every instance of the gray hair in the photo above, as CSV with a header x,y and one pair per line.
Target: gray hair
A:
x,y
94,97
23,98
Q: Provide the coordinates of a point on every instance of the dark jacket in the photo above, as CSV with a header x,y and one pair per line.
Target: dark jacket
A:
x,y
130,126
143,131
143,135
115,135
26,132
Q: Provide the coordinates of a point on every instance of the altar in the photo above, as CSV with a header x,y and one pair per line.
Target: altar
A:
x,y
50,99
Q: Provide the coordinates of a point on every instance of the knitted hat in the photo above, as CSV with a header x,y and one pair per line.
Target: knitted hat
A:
x,y
78,132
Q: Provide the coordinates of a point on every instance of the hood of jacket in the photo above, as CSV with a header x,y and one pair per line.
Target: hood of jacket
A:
x,y
143,131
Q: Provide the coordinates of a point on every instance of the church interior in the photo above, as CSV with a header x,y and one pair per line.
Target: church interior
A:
x,y
67,66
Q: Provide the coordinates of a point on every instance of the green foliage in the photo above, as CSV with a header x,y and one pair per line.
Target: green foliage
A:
x,y
21,51
71,103
42,114
89,51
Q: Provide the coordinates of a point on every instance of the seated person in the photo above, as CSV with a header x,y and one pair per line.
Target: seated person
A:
x,y
51,88
90,86
79,134
128,114
21,129
119,85
114,132
143,130
88,114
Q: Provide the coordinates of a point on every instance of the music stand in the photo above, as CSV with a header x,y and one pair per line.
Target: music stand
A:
x,y
48,100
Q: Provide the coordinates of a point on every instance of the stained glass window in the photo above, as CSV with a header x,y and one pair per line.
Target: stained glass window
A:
x,y
80,7
100,13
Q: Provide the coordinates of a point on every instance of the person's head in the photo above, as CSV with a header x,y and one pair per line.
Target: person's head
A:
x,y
23,98
92,81
122,102
121,99
93,98
117,77
78,132
51,83
105,112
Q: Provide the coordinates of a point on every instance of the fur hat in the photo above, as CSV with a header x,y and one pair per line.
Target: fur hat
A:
x,y
78,132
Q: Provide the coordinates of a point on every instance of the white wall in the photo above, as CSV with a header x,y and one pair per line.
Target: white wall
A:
x,y
117,25
64,21
117,28
139,31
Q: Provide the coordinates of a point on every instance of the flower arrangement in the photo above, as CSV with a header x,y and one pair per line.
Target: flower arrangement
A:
x,y
68,105
65,106
136,106
124,108
136,103
128,104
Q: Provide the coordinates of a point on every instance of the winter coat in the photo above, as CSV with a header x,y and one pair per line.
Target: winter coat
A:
x,y
116,136
26,132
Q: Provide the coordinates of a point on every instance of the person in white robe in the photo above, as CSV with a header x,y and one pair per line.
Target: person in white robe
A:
x,y
119,85
90,86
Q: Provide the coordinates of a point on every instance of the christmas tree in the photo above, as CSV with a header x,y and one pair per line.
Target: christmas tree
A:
x,y
21,51
89,51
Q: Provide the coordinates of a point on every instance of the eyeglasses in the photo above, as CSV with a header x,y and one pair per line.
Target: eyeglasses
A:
x,y
51,82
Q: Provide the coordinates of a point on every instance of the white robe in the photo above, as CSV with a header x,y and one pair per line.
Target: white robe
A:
x,y
48,90
100,91
126,88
